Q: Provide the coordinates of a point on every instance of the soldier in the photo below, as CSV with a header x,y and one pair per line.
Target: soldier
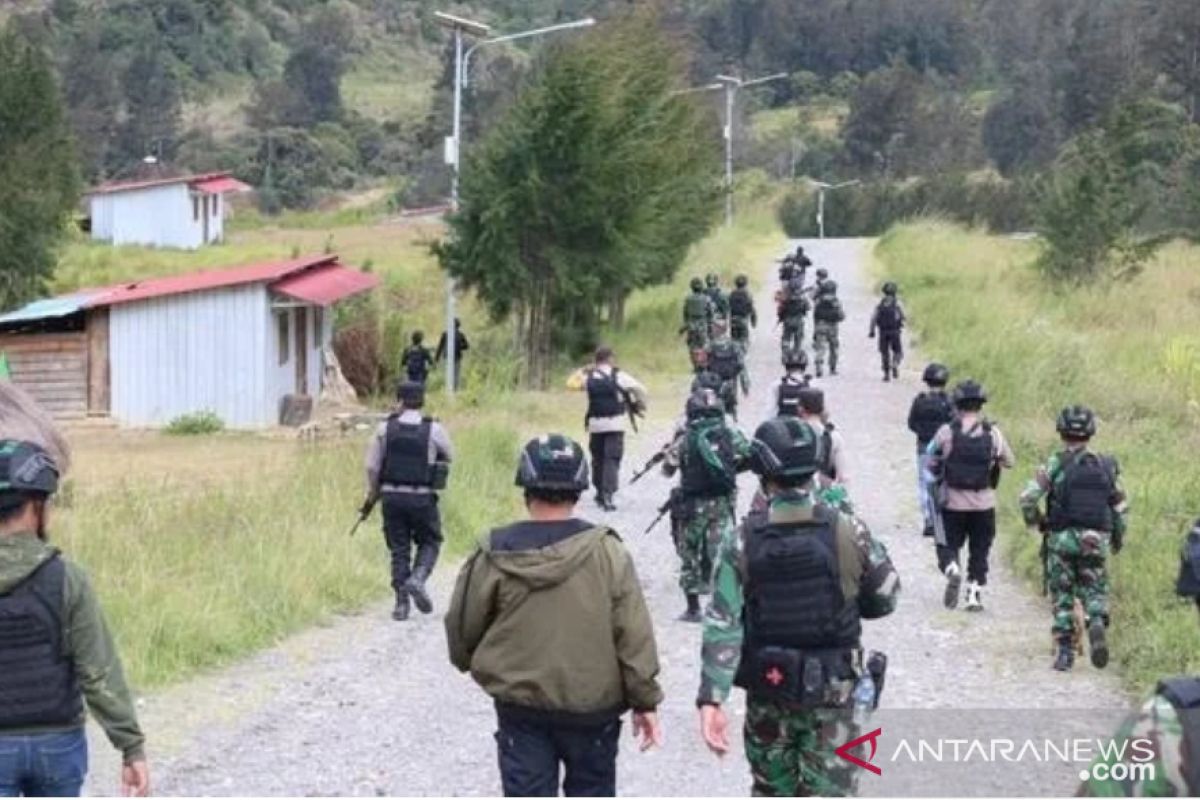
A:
x,y
1085,518
930,410
1169,723
822,276
461,346
966,456
787,390
407,464
791,307
889,319
708,452
742,315
720,303
697,316
784,624
726,359
561,667
417,359
827,315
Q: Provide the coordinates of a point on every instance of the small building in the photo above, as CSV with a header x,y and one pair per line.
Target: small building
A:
x,y
235,342
186,212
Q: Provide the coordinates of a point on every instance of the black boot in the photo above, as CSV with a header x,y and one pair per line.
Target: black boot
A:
x,y
832,367
896,371
820,371
1096,638
415,586
1066,655
692,614
400,611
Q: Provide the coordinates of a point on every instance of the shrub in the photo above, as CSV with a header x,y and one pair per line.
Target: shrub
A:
x,y
198,423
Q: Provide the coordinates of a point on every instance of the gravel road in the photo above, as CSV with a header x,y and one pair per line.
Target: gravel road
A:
x,y
369,707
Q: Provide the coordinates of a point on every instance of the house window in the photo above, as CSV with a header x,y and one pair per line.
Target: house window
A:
x,y
216,204
281,330
318,320
195,208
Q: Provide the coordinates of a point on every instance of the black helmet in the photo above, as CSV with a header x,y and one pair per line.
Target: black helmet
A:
x,y
795,358
704,404
740,281
711,280
553,462
785,447
936,375
1188,582
697,285
812,400
889,288
969,391
799,250
25,469
822,274
1076,422
411,394
827,287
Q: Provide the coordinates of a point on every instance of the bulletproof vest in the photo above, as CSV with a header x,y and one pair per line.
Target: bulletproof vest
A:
x,y
414,361
406,455
708,463
828,468
604,395
787,271
789,396
887,315
723,360
930,411
1183,692
969,465
794,303
1081,498
718,299
38,686
740,304
828,309
695,307
793,589
707,379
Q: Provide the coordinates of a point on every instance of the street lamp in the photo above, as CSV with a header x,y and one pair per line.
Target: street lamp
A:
x,y
732,86
453,148
822,188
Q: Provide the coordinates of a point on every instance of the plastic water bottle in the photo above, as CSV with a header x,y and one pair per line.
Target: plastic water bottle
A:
x,y
863,697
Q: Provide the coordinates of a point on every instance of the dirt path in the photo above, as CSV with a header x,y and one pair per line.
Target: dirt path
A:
x,y
367,707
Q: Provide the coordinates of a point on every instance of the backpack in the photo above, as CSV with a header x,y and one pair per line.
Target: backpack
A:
x,y
695,307
416,361
1183,692
930,411
709,464
793,302
740,304
887,316
969,465
723,358
1082,498
707,380
829,309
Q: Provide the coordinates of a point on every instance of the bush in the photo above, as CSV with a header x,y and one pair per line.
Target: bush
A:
x,y
199,423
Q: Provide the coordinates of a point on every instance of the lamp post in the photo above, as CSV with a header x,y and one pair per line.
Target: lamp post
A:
x,y
732,86
822,188
453,146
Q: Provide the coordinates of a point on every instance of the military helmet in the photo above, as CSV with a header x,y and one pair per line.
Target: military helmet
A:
x,y
411,394
711,280
812,400
741,281
785,447
822,274
936,374
1188,582
969,391
795,358
704,404
697,285
25,469
799,250
827,287
553,462
1076,422
889,288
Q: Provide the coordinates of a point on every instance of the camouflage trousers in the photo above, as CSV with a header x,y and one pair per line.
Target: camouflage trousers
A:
x,y
793,335
1075,567
708,522
792,752
739,331
825,340
697,335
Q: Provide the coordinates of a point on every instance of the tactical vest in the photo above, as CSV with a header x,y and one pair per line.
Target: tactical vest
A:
x,y
708,464
1081,498
695,307
720,303
789,396
787,271
795,608
1183,692
828,468
969,465
794,304
828,309
406,454
930,411
887,316
707,379
740,304
723,359
604,395
38,686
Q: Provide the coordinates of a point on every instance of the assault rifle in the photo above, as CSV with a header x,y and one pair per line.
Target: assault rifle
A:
x,y
367,507
663,510
654,461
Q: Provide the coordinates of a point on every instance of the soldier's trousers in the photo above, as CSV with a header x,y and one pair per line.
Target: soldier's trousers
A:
x,y
739,331
974,529
825,340
411,520
1076,567
924,498
792,752
697,335
793,335
891,350
698,540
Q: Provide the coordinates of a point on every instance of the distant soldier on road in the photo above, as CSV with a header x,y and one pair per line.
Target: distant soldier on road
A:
x,y
725,358
742,314
461,346
417,359
720,303
930,410
794,265
792,306
698,314
828,314
1085,519
889,320
787,391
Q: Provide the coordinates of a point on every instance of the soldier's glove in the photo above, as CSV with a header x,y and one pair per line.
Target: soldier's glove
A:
x,y
871,335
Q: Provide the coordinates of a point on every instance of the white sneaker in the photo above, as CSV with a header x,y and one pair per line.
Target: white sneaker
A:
x,y
953,582
974,597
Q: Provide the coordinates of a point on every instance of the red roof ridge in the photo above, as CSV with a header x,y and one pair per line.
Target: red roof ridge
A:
x,y
146,183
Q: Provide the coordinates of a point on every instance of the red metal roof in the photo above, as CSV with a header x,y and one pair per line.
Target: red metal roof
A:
x,y
193,180
219,185
326,284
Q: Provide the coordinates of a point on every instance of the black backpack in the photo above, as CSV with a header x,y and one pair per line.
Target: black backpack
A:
x,y
740,304
723,360
930,411
887,316
416,361
829,309
1183,692
969,465
1082,499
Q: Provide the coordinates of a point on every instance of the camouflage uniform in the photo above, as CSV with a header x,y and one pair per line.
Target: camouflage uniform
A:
x,y
697,325
825,340
791,750
729,389
1159,722
1075,558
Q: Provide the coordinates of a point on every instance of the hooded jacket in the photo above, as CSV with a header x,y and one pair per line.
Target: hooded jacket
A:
x,y
550,620
86,640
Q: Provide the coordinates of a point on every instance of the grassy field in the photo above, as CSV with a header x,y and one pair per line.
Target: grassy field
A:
x,y
207,548
1131,352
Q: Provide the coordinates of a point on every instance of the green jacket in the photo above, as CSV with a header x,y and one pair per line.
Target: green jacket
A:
x,y
561,629
87,642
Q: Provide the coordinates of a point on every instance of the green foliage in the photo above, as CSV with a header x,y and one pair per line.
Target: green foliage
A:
x,y
37,171
199,423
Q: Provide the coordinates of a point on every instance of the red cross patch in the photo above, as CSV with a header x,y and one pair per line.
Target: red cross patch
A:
x,y
774,676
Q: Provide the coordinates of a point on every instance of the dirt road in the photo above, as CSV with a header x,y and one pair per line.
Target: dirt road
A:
x,y
369,707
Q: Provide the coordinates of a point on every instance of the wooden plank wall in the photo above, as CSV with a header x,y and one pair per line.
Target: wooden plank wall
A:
x,y
99,376
53,368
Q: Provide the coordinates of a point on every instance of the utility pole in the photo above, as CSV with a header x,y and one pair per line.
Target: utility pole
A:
x,y
732,86
822,188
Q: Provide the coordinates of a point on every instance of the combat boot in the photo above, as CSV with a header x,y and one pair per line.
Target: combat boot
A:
x,y
820,371
1097,642
953,582
832,367
400,611
974,597
692,613
1066,656
415,586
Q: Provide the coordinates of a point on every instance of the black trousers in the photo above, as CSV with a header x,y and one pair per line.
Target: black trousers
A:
x,y
891,350
607,451
531,754
975,529
411,521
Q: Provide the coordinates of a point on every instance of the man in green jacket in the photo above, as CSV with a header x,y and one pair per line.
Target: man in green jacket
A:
x,y
549,618
56,651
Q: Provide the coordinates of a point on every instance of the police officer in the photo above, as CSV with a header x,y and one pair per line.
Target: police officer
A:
x,y
548,616
417,359
1085,520
790,592
828,314
56,651
967,456
742,315
888,318
786,392
727,359
832,469
698,313
407,464
708,452
930,410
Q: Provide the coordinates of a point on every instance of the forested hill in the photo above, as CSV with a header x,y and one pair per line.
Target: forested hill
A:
x,y
317,95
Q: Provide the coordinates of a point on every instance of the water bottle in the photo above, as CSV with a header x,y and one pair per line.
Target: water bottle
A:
x,y
863,697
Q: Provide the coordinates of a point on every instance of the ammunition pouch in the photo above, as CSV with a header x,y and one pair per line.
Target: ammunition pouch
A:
x,y
802,679
440,475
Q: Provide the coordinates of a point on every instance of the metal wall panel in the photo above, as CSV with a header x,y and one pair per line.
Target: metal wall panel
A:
x,y
159,216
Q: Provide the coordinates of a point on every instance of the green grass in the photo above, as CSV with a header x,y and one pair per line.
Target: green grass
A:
x,y
1131,352
196,424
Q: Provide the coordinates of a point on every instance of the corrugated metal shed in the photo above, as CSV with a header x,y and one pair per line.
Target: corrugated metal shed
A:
x,y
325,285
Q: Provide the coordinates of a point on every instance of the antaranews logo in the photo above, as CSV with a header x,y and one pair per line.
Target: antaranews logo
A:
x,y
872,737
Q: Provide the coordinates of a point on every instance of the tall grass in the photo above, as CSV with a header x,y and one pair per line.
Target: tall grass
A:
x,y
1128,351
